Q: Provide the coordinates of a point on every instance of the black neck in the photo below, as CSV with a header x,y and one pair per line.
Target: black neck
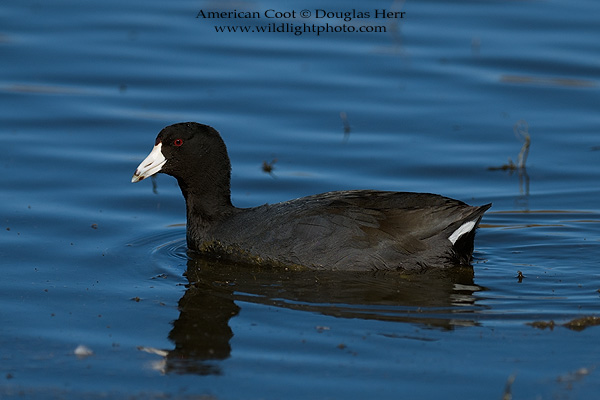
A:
x,y
206,206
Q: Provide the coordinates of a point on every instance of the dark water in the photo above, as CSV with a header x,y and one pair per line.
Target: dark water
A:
x,y
430,105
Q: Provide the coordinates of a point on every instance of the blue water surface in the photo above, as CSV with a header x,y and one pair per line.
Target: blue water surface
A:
x,y
439,102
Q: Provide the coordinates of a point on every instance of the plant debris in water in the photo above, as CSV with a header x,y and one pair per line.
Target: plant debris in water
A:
x,y
345,123
521,129
577,324
580,324
269,167
507,389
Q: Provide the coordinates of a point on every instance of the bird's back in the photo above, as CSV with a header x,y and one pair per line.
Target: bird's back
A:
x,y
349,230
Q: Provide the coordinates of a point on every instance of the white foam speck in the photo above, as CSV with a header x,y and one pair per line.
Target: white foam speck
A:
x,y
83,351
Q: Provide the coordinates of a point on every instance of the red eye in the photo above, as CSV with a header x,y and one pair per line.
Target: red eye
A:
x,y
177,142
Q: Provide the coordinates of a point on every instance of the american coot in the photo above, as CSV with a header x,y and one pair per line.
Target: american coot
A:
x,y
343,230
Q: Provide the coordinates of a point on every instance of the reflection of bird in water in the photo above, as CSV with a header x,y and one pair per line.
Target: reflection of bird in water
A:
x,y
440,298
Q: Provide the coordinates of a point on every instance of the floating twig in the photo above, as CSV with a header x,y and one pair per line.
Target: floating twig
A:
x,y
507,395
521,129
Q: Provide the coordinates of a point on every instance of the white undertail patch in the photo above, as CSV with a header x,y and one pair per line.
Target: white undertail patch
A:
x,y
464,228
